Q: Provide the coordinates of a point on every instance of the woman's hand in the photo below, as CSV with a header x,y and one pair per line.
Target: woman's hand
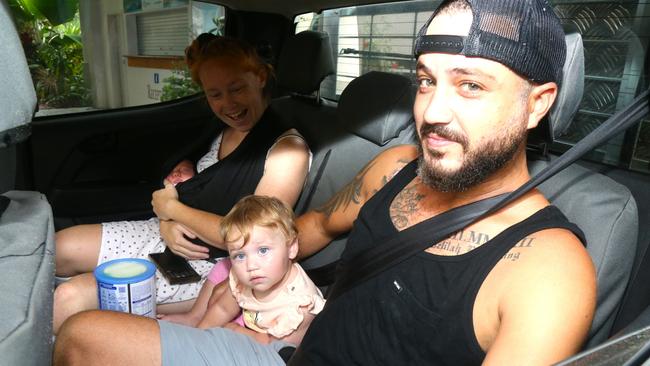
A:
x,y
163,199
175,236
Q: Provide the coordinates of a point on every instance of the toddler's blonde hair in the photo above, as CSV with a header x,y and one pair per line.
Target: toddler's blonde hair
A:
x,y
250,211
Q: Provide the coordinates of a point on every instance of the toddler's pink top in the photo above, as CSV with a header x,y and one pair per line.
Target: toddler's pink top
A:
x,y
282,315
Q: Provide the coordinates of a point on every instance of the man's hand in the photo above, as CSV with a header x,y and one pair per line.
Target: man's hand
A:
x,y
162,199
174,235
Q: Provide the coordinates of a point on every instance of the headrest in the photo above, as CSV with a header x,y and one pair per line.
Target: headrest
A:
x,y
377,106
568,99
305,60
17,95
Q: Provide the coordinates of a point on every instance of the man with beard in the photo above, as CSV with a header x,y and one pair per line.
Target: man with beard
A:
x,y
516,287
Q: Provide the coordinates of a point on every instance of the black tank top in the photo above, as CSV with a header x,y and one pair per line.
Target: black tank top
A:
x,y
419,311
217,188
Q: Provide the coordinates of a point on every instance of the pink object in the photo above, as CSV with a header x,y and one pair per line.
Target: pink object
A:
x,y
220,272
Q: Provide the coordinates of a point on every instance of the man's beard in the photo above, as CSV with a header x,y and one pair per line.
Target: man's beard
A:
x,y
479,162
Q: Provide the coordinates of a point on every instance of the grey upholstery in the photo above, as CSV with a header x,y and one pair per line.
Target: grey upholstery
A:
x,y
609,218
305,60
369,119
341,139
27,267
573,83
569,96
17,97
607,213
26,231
378,125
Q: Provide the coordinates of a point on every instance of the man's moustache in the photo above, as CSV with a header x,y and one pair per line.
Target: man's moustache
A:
x,y
443,132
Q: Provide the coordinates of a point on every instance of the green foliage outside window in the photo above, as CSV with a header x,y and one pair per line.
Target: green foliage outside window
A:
x,y
178,85
54,52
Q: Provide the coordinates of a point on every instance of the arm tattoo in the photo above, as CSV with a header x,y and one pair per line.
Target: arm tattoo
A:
x,y
401,163
350,193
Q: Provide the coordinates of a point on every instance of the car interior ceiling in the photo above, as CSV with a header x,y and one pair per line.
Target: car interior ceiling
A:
x,y
374,114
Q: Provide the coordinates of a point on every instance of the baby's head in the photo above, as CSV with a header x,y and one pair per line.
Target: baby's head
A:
x,y
182,172
261,237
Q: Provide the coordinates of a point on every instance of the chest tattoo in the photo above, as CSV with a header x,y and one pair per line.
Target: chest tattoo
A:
x,y
467,240
404,209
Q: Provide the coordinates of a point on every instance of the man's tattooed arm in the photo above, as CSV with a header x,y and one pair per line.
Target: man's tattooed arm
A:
x,y
350,193
353,191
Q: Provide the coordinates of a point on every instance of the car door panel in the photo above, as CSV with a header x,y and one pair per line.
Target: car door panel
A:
x,y
107,163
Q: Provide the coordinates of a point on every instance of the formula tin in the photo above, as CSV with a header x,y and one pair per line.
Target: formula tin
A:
x,y
127,285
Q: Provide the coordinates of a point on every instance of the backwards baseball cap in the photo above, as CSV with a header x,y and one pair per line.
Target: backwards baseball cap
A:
x,y
524,35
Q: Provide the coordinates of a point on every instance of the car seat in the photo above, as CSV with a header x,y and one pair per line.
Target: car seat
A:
x,y
343,137
369,120
604,209
26,230
305,61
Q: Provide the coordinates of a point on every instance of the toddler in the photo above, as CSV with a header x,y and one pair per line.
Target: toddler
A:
x,y
272,296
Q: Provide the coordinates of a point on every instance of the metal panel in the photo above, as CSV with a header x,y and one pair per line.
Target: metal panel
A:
x,y
164,33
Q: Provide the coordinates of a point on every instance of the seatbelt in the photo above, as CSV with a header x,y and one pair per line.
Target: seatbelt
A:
x,y
4,203
409,242
314,185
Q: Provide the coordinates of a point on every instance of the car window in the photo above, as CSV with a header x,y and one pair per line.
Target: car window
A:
x,y
111,54
615,36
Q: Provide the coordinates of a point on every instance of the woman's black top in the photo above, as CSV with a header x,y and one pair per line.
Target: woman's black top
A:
x,y
217,188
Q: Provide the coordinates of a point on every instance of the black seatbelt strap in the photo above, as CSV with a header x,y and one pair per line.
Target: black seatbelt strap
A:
x,y
4,203
314,185
410,242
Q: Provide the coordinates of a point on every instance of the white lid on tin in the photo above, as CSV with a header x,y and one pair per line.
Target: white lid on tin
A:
x,y
125,269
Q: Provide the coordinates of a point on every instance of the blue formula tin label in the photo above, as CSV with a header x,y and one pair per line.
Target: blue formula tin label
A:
x,y
127,285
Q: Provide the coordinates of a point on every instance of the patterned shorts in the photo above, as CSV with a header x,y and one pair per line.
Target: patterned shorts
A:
x,y
136,239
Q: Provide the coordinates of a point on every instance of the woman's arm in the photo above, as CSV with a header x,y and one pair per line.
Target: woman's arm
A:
x,y
285,170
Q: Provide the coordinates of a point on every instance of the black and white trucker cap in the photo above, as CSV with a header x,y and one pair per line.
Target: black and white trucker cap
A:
x,y
524,35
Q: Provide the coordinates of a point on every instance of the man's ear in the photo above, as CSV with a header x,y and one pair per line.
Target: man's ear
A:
x,y
540,101
293,249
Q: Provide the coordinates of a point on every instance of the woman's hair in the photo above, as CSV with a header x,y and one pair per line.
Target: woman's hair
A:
x,y
250,211
234,51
